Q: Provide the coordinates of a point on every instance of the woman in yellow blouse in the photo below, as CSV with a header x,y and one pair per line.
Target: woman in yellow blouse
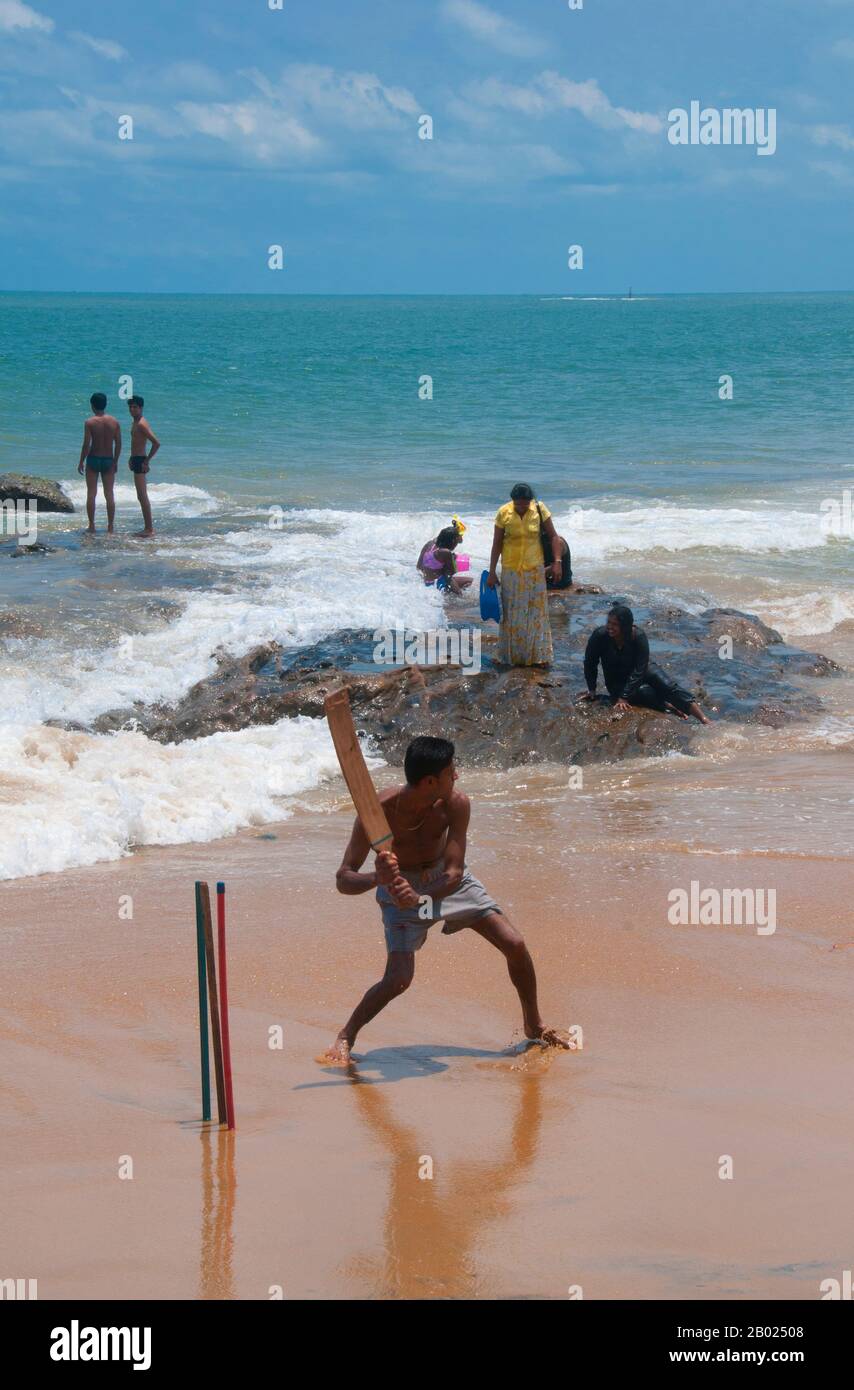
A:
x,y
524,635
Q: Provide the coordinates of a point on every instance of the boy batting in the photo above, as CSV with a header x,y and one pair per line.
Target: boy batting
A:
x,y
420,878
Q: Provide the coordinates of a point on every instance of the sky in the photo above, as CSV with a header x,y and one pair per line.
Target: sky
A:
x,y
299,127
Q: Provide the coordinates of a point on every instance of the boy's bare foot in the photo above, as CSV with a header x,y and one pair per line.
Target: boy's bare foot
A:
x,y
551,1037
338,1055
143,535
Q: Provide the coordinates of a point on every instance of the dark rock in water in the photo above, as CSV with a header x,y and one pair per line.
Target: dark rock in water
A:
x,y
501,717
742,630
35,549
225,700
20,625
164,609
48,496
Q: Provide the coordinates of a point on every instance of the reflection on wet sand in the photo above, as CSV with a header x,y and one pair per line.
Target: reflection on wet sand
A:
x,y
630,816
432,1226
219,1184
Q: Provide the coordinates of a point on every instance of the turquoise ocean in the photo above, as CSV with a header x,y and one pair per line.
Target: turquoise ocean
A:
x,y
303,464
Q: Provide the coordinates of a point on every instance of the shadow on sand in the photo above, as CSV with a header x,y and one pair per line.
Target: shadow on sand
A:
x,y
405,1063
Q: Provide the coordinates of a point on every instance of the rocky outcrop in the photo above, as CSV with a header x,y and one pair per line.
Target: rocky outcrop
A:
x,y
500,717
17,624
48,496
35,549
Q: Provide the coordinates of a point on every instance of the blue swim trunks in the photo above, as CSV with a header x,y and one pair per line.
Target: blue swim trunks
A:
x,y
99,464
406,930
138,462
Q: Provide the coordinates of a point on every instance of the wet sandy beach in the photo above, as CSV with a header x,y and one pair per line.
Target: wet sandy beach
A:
x,y
596,1168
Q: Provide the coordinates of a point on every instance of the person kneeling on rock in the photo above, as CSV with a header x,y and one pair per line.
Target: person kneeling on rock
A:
x,y
623,650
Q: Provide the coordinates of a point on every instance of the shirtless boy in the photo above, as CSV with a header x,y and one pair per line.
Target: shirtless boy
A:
x,y
140,435
99,457
422,880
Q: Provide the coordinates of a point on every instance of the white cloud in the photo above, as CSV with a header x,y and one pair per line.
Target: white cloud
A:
x,y
105,48
280,125
16,15
491,28
838,135
257,130
55,137
529,101
550,92
315,122
307,118
838,173
806,101
358,100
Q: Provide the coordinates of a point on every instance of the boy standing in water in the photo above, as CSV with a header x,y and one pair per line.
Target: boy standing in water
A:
x,y
102,444
422,880
141,434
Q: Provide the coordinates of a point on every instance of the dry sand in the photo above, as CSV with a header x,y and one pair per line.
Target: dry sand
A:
x,y
596,1168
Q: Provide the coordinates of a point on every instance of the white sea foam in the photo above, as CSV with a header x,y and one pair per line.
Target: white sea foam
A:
x,y
595,534
833,731
299,590
804,614
169,499
70,799
81,797
328,570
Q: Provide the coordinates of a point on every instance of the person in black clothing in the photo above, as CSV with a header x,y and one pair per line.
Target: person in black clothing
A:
x,y
561,555
623,650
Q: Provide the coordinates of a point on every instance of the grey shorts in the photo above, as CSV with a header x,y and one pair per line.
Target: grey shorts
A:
x,y
405,930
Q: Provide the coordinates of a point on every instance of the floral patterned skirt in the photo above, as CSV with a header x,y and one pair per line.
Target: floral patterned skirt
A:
x,y
524,635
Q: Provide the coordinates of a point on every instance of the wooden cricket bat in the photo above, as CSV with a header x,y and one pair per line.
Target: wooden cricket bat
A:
x,y
340,720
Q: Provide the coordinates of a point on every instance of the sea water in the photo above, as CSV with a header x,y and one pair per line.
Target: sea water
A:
x,y
311,445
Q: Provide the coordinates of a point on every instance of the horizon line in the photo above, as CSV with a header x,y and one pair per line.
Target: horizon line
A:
x,y
416,294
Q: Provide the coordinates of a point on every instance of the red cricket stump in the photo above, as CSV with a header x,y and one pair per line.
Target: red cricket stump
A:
x,y
213,1000
223,1004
